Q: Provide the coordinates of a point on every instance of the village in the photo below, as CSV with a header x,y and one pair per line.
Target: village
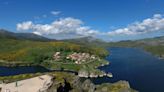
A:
x,y
77,58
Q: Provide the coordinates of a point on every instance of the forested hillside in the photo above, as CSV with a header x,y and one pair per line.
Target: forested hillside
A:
x,y
153,45
34,51
21,36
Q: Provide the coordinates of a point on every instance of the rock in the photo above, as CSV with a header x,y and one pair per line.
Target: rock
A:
x,y
88,86
104,89
83,73
110,75
92,75
85,85
120,86
101,75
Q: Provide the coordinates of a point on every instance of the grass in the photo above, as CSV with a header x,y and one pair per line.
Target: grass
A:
x,y
75,67
155,50
120,86
35,52
26,53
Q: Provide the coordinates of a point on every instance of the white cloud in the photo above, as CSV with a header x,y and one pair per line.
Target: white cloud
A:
x,y
71,28
156,23
55,12
25,25
64,26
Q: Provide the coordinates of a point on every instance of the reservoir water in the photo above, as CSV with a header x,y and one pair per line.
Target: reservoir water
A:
x,y
142,70
7,71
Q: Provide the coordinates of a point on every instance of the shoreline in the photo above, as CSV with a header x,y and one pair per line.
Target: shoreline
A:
x,y
91,75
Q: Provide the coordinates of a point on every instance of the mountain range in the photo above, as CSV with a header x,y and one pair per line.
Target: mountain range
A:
x,y
21,36
89,41
156,41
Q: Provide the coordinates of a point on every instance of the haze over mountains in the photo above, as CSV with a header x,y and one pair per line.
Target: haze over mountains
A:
x,y
156,41
84,40
30,36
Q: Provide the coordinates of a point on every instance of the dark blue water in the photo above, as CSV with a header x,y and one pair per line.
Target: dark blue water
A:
x,y
7,71
143,71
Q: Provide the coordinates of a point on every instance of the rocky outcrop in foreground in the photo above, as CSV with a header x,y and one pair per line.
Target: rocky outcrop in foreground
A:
x,y
85,85
93,74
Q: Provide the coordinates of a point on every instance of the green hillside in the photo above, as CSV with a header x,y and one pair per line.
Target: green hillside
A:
x,y
32,51
21,36
152,45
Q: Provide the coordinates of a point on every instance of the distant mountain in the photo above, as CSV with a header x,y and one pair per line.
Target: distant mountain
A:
x,y
22,36
90,41
140,43
6,34
152,41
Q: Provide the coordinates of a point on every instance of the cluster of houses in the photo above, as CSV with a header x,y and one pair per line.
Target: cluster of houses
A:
x,y
79,58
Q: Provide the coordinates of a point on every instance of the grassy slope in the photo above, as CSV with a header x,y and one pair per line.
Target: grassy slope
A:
x,y
24,52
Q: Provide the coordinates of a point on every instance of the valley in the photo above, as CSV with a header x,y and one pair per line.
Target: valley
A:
x,y
78,57
56,57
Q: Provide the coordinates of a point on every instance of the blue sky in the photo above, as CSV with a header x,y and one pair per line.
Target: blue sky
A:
x,y
111,20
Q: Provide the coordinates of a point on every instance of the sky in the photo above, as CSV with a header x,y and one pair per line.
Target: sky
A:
x,y
110,20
